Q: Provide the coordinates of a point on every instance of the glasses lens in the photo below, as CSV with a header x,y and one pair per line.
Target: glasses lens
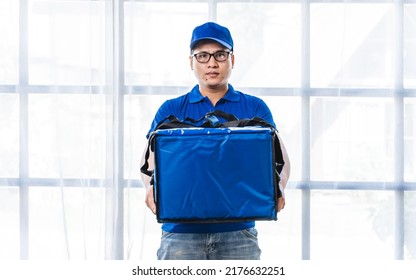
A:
x,y
202,57
221,56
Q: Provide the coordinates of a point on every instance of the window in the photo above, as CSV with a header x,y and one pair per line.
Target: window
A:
x,y
80,82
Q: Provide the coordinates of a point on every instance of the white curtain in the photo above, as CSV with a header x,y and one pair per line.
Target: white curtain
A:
x,y
81,80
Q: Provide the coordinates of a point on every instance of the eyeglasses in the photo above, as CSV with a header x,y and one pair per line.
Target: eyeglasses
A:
x,y
204,57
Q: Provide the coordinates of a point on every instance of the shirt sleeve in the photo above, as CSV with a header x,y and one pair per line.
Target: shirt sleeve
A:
x,y
263,111
164,111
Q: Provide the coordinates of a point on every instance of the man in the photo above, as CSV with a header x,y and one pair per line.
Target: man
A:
x,y
212,61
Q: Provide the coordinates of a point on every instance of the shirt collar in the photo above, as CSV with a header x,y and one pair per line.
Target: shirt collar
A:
x,y
196,96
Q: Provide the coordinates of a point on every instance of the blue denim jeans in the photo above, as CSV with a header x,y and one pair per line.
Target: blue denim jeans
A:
x,y
233,245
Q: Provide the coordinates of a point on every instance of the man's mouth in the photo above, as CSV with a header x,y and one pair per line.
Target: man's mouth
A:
x,y
212,74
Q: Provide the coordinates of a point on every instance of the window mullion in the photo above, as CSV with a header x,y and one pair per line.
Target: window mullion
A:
x,y
114,131
399,131
22,90
306,195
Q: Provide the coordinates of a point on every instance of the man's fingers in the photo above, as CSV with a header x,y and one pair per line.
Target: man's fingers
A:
x,y
150,201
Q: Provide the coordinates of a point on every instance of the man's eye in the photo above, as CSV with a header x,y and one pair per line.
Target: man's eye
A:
x,y
220,54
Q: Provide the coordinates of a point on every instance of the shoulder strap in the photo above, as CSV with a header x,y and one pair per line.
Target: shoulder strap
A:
x,y
145,167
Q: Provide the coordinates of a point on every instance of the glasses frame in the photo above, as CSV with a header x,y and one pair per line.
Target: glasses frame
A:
x,y
213,55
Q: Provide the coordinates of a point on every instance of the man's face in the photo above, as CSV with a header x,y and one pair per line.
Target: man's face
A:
x,y
212,74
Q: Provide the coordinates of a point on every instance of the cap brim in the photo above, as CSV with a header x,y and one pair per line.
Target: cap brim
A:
x,y
228,46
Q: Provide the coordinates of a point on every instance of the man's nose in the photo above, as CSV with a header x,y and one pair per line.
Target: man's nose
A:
x,y
212,62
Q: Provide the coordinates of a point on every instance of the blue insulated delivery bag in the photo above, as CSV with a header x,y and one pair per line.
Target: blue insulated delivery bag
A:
x,y
222,174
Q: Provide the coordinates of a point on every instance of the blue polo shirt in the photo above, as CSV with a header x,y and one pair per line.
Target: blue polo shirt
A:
x,y
194,105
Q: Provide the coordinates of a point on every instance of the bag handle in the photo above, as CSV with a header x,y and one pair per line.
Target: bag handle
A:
x,y
223,115
211,119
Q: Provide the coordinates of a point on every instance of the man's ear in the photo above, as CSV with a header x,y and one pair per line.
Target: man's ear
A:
x,y
191,62
232,60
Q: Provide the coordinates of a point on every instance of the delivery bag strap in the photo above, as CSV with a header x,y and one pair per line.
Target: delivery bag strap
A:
x,y
211,119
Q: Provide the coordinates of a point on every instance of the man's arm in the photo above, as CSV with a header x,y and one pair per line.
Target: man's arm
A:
x,y
150,201
284,176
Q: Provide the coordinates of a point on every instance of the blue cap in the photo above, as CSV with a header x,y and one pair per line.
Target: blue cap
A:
x,y
212,31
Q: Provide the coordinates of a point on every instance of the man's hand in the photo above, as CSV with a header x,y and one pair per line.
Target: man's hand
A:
x,y
280,203
284,176
150,200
